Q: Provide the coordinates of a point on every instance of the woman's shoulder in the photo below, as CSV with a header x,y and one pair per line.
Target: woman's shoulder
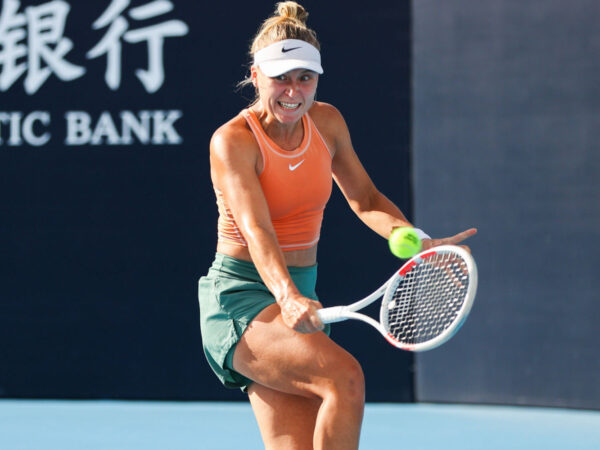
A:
x,y
233,134
330,123
326,117
323,110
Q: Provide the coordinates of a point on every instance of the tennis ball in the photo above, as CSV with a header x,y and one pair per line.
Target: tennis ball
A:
x,y
404,242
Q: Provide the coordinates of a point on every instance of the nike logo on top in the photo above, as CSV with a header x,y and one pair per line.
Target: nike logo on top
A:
x,y
295,166
285,50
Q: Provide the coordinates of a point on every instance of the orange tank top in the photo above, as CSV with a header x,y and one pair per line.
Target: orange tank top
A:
x,y
296,184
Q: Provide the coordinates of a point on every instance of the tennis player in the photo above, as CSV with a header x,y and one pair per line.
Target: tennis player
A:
x,y
272,167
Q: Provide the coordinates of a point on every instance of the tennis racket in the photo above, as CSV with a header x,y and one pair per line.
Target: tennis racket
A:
x,y
424,303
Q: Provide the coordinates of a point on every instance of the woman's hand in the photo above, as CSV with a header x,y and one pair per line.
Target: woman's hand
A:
x,y
300,314
452,240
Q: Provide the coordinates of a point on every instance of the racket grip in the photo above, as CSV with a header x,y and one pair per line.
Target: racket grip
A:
x,y
333,314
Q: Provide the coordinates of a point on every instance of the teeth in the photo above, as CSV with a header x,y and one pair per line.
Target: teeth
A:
x,y
289,105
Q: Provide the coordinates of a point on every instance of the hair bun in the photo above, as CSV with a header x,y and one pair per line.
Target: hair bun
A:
x,y
292,10
287,22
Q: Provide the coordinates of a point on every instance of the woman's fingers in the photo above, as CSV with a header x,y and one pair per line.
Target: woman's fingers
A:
x,y
301,315
452,240
461,236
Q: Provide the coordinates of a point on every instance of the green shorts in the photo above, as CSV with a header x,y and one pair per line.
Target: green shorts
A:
x,y
230,296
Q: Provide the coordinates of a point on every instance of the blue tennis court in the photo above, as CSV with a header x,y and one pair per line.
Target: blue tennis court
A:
x,y
120,425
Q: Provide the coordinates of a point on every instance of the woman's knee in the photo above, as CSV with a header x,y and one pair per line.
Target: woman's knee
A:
x,y
347,384
354,379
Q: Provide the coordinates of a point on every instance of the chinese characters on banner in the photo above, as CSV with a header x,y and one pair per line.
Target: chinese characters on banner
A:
x,y
33,45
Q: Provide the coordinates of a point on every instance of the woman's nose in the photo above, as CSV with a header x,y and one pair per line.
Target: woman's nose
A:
x,y
292,88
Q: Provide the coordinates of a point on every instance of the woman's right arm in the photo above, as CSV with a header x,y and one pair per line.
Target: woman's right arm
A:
x,y
234,158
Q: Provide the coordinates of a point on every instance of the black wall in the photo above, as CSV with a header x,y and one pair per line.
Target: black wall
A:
x,y
101,245
506,120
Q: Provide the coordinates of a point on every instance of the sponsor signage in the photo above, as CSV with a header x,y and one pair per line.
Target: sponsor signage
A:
x,y
36,47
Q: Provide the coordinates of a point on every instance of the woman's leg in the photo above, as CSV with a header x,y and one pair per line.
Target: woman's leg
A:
x,y
306,365
286,421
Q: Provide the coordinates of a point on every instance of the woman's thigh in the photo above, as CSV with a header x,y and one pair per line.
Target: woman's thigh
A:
x,y
274,355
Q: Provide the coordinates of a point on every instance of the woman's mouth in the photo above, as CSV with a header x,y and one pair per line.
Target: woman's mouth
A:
x,y
289,106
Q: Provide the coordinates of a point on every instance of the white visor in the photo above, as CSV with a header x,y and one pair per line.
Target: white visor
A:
x,y
283,56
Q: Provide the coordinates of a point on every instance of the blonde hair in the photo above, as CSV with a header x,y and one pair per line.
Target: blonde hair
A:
x,y
287,22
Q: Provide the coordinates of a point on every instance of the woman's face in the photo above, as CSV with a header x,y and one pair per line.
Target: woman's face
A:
x,y
288,96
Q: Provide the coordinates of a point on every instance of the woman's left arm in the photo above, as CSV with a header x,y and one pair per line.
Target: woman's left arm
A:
x,y
377,211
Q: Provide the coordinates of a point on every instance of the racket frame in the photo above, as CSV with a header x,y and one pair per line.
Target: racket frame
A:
x,y
340,313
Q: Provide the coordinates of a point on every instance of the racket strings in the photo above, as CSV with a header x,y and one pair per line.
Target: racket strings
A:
x,y
427,301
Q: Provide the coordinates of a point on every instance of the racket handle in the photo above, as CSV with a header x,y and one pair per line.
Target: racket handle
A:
x,y
333,314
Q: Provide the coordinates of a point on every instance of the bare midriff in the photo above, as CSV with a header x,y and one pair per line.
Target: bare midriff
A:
x,y
294,258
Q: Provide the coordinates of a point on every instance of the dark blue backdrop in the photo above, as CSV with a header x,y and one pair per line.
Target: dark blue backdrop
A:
x,y
506,120
102,245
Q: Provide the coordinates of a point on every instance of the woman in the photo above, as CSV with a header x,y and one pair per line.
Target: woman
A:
x,y
272,168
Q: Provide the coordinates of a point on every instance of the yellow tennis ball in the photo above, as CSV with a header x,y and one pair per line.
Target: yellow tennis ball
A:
x,y
404,242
